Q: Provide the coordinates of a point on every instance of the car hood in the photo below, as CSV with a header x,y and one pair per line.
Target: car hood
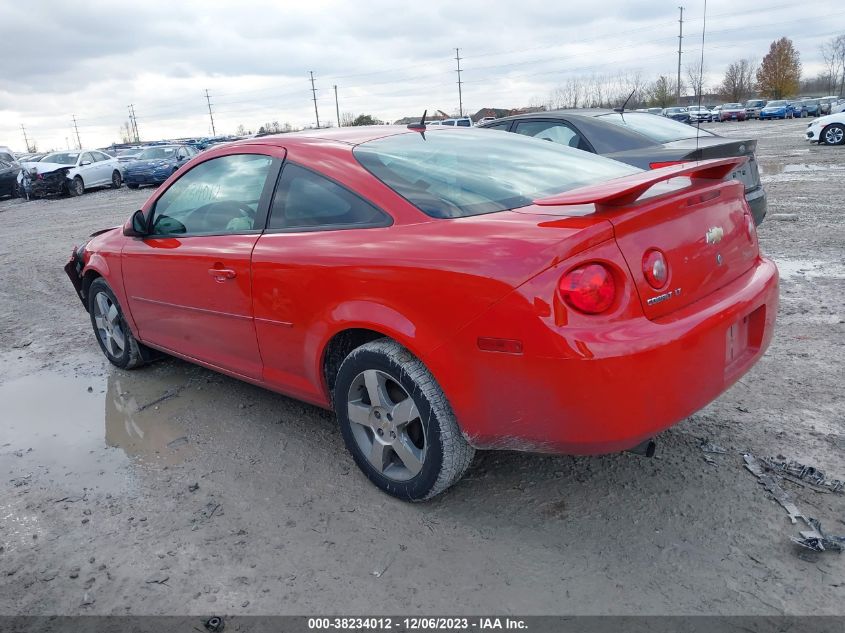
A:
x,y
838,117
43,168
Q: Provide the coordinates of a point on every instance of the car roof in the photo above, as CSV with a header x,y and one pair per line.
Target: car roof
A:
x,y
342,136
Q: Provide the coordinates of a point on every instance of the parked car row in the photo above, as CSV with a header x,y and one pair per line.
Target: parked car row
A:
x,y
752,109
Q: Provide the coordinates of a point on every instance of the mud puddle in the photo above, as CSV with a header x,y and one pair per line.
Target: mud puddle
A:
x,y
793,269
798,168
88,430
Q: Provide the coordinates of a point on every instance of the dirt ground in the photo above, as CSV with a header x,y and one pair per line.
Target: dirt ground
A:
x,y
224,498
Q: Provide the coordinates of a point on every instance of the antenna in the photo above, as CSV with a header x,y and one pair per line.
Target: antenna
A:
x,y
210,114
419,127
701,78
622,109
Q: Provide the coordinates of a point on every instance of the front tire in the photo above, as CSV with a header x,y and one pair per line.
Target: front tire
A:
x,y
116,180
110,327
76,187
397,423
834,134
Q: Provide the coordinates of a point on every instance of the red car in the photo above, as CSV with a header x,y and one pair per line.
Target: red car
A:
x,y
443,291
732,112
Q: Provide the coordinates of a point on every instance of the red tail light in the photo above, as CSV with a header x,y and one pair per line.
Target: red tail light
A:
x,y
667,163
589,288
655,269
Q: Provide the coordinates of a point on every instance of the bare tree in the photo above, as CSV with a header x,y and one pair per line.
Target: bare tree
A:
x,y
126,132
833,54
695,75
738,83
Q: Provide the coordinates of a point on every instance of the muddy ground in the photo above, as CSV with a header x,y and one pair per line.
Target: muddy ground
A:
x,y
223,498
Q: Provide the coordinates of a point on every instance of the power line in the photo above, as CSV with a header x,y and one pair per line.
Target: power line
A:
x,y
210,114
314,92
680,42
75,127
460,95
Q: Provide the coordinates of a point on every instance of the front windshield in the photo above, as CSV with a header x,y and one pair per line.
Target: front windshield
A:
x,y
160,153
675,110
451,174
61,158
775,104
658,129
129,152
812,102
731,106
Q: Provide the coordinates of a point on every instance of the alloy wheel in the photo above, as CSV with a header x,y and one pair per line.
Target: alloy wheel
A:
x,y
834,135
386,425
108,324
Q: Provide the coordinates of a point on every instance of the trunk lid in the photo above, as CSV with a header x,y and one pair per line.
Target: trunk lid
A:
x,y
708,147
701,225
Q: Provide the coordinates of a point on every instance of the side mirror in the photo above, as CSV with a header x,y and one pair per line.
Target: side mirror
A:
x,y
136,226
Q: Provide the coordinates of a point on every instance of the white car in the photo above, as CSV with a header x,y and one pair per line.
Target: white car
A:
x,y
827,130
87,168
458,122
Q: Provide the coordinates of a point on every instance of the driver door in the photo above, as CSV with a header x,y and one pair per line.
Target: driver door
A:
x,y
188,283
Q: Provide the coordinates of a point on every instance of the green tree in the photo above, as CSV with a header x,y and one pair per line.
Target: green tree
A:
x,y
364,119
780,72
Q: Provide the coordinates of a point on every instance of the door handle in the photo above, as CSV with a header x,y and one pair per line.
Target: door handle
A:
x,y
222,274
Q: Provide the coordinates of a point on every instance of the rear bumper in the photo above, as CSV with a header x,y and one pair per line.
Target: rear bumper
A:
x,y
616,385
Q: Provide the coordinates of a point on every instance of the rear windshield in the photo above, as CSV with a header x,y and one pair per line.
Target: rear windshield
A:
x,y
656,128
157,152
451,174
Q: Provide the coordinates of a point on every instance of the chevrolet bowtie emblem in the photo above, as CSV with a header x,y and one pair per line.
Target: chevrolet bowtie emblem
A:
x,y
715,234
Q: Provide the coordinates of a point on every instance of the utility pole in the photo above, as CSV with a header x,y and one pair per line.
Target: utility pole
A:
x,y
460,96
337,106
680,49
210,114
26,140
314,92
76,127
134,120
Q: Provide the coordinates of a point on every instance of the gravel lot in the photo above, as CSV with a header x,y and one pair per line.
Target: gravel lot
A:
x,y
224,498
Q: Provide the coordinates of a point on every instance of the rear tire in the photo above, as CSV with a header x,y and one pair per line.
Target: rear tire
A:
x,y
397,423
110,327
116,180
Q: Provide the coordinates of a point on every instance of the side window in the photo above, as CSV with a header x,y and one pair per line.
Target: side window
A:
x,y
86,158
555,131
307,201
503,126
216,197
99,156
182,154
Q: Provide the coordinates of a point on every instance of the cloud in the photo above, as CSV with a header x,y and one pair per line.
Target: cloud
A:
x,y
93,58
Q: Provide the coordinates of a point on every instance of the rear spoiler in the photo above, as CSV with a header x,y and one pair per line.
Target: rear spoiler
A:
x,y
626,190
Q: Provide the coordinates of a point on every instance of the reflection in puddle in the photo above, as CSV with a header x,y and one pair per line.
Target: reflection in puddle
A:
x,y
53,425
142,429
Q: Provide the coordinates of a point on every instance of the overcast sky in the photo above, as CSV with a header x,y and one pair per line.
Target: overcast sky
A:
x,y
389,59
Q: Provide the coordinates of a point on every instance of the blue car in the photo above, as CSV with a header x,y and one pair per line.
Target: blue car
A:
x,y
799,109
155,164
777,110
